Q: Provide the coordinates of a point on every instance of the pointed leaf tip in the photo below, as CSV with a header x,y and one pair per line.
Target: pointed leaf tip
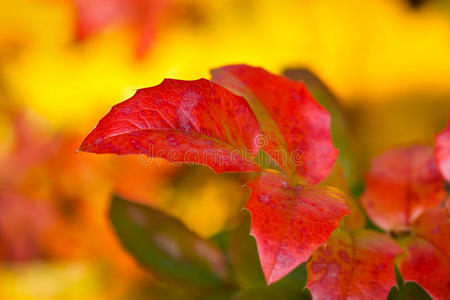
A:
x,y
290,222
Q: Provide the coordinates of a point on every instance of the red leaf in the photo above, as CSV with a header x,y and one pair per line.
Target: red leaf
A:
x,y
357,265
295,124
442,151
434,226
290,222
181,121
400,185
427,260
429,267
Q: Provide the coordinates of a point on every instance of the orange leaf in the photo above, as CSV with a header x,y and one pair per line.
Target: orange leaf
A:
x,y
434,226
400,185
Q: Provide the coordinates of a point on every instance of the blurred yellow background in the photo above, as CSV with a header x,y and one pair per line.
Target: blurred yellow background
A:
x,y
387,60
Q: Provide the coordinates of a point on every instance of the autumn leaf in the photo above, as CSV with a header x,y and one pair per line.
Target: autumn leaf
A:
x,y
342,135
427,259
442,151
186,121
182,121
289,222
434,226
400,185
353,265
295,124
426,265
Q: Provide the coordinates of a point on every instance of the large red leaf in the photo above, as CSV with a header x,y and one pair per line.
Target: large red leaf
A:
x,y
427,259
181,121
442,151
297,128
290,222
357,265
400,185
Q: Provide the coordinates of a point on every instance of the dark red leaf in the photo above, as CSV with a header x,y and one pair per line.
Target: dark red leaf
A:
x,y
400,185
181,121
297,128
442,151
357,265
289,222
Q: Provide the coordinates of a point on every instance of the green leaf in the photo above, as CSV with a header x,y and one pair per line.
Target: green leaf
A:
x,y
274,292
160,290
164,245
410,290
244,255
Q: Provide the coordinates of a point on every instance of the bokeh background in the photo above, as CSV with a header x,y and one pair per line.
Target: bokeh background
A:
x,y
63,63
